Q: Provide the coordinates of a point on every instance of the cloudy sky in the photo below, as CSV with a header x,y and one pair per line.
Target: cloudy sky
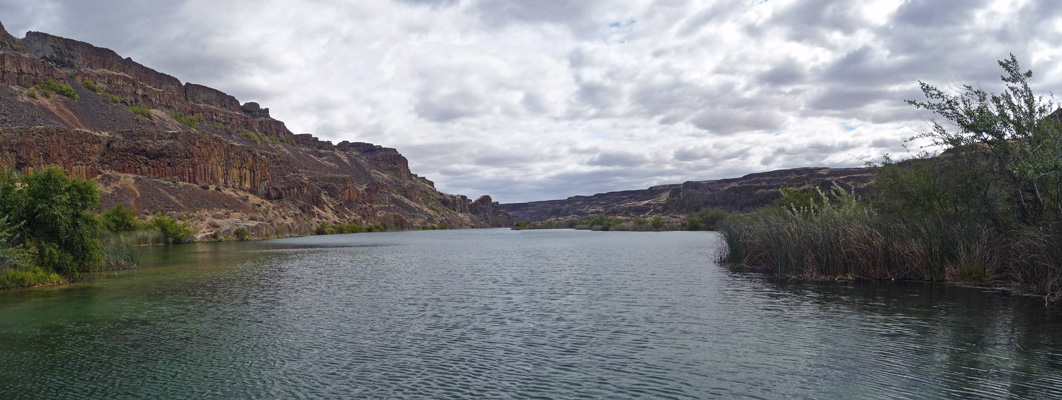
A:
x,y
545,99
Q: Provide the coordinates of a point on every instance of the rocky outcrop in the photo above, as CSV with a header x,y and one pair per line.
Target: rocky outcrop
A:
x,y
200,153
736,195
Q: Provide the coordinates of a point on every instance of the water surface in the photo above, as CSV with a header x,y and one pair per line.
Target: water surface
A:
x,y
510,314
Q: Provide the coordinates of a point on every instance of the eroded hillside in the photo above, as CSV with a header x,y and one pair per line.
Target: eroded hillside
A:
x,y
158,145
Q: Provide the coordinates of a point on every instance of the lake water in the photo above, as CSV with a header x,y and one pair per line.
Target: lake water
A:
x,y
510,314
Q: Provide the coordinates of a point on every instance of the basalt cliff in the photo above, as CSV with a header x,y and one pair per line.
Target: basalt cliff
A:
x,y
162,146
742,194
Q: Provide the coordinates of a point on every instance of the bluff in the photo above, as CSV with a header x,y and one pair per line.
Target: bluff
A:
x,y
162,146
742,194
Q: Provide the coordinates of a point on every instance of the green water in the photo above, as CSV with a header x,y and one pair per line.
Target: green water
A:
x,y
510,314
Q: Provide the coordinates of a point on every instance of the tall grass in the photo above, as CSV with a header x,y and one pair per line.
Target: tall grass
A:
x,y
22,276
837,245
118,248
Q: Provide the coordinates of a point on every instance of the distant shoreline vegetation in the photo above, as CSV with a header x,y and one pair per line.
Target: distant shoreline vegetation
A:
x,y
986,211
704,220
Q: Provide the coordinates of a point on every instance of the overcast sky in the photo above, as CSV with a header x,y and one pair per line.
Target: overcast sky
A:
x,y
545,99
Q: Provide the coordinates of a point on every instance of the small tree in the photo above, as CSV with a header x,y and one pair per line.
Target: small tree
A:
x,y
173,231
120,219
1020,136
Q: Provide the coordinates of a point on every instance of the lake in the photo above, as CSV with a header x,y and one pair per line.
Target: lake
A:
x,y
473,314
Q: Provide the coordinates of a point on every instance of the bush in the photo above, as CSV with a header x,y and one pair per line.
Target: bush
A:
x,y
140,110
241,234
49,86
173,231
706,220
27,276
120,219
325,228
192,121
250,136
90,85
49,212
657,223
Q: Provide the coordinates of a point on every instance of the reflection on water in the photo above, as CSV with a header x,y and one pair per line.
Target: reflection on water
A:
x,y
510,314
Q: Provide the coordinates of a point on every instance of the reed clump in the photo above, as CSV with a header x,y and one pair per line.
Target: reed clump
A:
x,y
859,243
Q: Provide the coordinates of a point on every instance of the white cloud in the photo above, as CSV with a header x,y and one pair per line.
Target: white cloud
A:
x,y
548,99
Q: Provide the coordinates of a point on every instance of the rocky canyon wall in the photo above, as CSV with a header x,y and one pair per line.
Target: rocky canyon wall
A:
x,y
160,145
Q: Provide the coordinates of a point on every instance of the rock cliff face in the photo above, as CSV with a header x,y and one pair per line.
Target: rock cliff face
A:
x,y
197,152
736,195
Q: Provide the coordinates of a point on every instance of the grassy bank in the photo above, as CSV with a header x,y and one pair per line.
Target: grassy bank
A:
x,y
870,246
49,232
986,210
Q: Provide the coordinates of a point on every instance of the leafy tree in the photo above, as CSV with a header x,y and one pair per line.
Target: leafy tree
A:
x,y
1019,137
120,219
53,220
11,252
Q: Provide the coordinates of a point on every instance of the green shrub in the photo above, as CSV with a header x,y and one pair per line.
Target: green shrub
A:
x,y
250,136
49,86
241,234
706,220
140,110
90,85
19,48
218,126
27,276
12,253
377,227
353,227
192,121
32,93
173,231
325,228
120,219
113,98
657,223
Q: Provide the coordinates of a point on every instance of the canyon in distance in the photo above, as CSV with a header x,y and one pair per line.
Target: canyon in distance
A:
x,y
161,146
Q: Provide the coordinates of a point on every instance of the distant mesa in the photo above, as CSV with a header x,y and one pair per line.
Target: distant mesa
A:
x,y
744,194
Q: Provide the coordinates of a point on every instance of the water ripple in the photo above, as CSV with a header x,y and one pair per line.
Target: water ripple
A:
x,y
505,314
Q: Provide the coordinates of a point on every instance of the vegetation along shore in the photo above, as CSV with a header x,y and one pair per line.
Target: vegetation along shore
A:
x,y
987,210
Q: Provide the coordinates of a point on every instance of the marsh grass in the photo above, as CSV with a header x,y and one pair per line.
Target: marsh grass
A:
x,y
118,248
870,247
22,276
